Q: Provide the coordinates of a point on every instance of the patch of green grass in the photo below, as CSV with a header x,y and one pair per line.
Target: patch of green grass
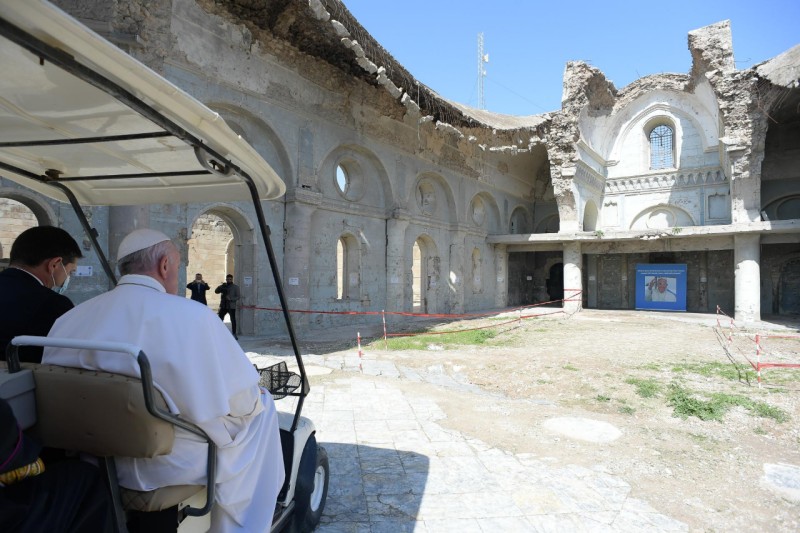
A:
x,y
626,410
651,366
445,340
601,398
716,369
569,367
646,388
685,404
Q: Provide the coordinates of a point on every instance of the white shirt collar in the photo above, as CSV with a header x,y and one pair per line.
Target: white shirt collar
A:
x,y
142,281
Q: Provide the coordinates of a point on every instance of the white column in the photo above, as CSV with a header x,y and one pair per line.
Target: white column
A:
x,y
573,282
747,285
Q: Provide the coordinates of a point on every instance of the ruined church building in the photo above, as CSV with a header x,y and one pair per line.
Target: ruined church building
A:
x,y
400,200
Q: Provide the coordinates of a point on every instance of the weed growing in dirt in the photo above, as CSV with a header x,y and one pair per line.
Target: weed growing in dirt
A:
x,y
445,340
758,430
646,388
651,366
569,367
627,410
601,398
685,404
723,370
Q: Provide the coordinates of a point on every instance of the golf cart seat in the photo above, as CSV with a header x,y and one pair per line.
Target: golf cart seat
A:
x,y
112,415
105,415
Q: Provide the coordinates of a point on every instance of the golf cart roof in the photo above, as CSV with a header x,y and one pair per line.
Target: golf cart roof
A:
x,y
77,110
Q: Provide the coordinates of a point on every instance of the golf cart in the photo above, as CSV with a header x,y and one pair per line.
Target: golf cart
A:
x,y
83,122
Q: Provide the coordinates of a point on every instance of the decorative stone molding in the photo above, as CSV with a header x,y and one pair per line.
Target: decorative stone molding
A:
x,y
665,181
588,178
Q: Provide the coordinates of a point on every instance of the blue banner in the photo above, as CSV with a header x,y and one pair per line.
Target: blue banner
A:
x,y
661,287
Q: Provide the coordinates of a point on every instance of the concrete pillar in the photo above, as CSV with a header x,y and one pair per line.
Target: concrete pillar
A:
x,y
297,259
703,283
456,280
747,284
501,275
625,287
591,288
397,257
573,282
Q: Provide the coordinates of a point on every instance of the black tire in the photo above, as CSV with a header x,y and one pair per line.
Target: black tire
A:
x,y
312,488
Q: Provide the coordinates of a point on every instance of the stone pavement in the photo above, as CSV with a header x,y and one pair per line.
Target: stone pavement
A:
x,y
395,469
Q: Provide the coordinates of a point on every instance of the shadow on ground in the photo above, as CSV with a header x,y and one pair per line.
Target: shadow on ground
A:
x,y
373,489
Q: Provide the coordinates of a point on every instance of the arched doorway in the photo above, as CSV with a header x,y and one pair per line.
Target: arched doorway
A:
x,y
425,275
222,242
20,210
209,248
15,217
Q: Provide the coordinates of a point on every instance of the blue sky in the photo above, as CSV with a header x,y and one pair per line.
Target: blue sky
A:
x,y
530,41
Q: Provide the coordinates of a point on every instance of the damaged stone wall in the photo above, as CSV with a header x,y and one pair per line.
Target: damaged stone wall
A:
x,y
310,89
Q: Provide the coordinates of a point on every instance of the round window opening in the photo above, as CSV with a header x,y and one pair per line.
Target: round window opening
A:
x,y
342,181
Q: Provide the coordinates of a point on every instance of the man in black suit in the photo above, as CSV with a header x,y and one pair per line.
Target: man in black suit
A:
x,y
42,260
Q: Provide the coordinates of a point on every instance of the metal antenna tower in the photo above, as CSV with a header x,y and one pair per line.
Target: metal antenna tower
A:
x,y
482,58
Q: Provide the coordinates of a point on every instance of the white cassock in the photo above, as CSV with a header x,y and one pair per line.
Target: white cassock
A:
x,y
654,296
206,377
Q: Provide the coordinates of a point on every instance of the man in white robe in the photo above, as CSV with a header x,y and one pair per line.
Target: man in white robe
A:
x,y
658,291
204,375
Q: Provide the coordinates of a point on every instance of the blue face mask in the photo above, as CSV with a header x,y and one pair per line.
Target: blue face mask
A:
x,y
63,288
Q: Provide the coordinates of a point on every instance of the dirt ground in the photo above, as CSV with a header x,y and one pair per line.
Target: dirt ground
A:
x,y
707,474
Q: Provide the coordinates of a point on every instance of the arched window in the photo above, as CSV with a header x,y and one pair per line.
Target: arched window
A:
x,y
348,267
341,269
662,144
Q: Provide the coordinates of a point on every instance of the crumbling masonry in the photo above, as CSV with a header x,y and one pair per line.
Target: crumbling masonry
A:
x,y
400,200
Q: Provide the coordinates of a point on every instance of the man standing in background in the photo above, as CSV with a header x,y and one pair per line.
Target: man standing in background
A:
x,y
227,305
199,288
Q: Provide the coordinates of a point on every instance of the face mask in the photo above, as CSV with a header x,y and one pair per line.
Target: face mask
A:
x,y
63,288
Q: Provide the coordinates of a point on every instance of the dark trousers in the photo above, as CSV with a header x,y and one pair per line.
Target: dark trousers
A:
x,y
69,496
225,310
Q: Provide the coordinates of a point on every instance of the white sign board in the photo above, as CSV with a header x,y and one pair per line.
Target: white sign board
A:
x,y
83,271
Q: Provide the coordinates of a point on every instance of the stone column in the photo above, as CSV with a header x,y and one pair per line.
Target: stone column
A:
x,y
747,285
297,257
501,275
456,278
573,282
397,257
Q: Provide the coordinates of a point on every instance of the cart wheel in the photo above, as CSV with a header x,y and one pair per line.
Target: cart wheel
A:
x,y
312,488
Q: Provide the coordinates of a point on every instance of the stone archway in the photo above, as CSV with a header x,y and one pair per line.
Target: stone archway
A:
x,y
425,275
222,241
20,211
